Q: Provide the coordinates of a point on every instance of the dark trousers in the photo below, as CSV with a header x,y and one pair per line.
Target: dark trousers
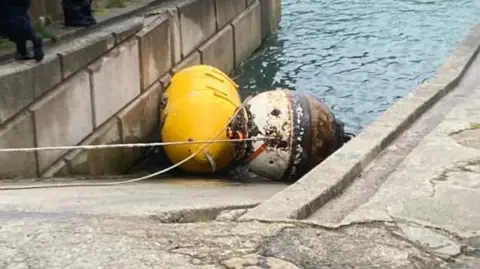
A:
x,y
78,12
4,25
16,26
4,33
21,29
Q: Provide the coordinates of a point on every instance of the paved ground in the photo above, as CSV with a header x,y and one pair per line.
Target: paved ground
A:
x,y
168,200
35,241
427,183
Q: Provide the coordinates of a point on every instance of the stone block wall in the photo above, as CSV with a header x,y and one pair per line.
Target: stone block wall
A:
x,y
105,87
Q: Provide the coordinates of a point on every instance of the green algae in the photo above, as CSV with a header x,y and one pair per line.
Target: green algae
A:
x,y
474,126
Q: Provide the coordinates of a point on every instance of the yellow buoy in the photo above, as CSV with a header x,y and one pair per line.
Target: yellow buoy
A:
x,y
197,105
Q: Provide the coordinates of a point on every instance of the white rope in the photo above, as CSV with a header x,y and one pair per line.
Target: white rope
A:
x,y
104,184
132,145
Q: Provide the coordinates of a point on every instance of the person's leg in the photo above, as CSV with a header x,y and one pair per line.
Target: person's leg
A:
x,y
3,22
3,30
78,13
67,6
38,53
22,31
16,35
88,12
22,53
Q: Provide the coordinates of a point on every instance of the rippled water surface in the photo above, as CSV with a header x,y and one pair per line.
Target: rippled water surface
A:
x,y
358,55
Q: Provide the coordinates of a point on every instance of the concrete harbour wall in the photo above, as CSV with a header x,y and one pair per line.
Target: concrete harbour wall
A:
x,y
104,87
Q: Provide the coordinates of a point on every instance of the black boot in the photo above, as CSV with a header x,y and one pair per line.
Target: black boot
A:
x,y
78,13
22,54
23,57
38,49
87,11
76,19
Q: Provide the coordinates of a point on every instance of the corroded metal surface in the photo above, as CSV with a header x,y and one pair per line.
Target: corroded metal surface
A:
x,y
271,116
303,129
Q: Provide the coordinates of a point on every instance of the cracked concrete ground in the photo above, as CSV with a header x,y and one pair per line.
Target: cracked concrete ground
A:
x,y
36,233
167,199
431,193
49,241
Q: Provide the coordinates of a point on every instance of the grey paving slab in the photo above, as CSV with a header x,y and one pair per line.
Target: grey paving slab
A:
x,y
153,197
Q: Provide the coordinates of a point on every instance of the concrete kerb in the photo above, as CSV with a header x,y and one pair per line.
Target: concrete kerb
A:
x,y
201,214
329,178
